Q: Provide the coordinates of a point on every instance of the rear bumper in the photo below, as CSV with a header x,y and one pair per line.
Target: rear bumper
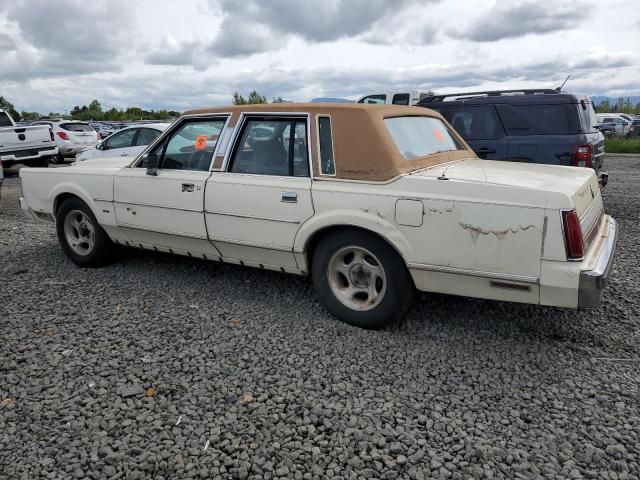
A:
x,y
16,157
594,281
34,215
72,150
603,178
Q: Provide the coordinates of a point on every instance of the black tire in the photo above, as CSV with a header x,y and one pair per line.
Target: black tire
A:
x,y
42,163
103,250
399,290
57,159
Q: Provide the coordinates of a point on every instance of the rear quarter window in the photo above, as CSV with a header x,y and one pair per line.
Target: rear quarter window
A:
x,y
418,137
539,119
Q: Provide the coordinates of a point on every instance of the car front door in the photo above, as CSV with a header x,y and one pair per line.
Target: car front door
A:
x,y
163,208
255,206
480,126
119,143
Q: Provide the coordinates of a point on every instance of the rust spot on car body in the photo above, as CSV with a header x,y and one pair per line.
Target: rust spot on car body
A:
x,y
500,234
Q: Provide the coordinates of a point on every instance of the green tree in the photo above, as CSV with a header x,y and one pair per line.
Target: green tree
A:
x,y
8,106
253,98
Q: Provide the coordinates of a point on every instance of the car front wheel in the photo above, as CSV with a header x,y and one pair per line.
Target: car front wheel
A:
x,y
361,280
81,237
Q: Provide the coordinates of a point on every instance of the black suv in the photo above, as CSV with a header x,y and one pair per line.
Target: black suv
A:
x,y
537,126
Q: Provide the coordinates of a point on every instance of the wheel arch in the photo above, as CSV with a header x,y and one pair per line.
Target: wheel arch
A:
x,y
62,193
310,235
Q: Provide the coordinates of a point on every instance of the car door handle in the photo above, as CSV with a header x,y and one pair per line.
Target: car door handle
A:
x,y
187,187
289,197
124,154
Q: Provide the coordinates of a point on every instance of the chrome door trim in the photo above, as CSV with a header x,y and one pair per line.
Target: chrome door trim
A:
x,y
475,273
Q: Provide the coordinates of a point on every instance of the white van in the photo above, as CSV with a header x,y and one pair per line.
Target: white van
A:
x,y
398,97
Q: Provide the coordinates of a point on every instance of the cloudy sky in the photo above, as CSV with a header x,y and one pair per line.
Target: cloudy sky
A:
x,y
177,55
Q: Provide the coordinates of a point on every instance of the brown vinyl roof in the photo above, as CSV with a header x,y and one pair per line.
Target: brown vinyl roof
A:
x,y
363,148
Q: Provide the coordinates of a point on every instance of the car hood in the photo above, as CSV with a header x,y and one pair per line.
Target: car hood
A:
x,y
579,184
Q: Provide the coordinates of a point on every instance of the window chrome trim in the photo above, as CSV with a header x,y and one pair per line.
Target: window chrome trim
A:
x,y
475,273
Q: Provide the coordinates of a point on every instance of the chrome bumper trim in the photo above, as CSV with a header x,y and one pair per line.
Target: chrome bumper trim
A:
x,y
593,282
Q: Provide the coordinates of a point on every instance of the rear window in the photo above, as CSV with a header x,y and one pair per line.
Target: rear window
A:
x,y
5,121
76,127
538,119
418,137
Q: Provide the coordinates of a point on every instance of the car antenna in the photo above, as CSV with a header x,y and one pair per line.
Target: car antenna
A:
x,y
559,89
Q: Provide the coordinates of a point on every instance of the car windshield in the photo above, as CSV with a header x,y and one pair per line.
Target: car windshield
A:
x,y
418,137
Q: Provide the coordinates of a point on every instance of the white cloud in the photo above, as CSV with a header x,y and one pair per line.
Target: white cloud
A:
x,y
183,55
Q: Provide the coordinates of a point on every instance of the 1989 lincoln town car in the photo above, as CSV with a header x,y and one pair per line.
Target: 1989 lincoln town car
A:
x,y
372,201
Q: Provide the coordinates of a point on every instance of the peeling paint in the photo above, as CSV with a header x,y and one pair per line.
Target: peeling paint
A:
x,y
437,211
500,234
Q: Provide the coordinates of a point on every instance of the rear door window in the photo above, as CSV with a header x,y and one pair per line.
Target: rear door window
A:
x,y
536,119
272,146
476,122
401,99
4,120
146,136
76,127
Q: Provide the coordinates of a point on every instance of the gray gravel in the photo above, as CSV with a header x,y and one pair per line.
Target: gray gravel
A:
x,y
168,367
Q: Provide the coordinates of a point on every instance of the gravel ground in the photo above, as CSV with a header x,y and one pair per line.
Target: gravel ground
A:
x,y
167,367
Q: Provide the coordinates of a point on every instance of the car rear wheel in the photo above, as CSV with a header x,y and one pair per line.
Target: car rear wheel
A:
x,y
361,280
57,159
81,237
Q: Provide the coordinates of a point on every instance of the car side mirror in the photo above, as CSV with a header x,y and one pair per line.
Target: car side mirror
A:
x,y
151,159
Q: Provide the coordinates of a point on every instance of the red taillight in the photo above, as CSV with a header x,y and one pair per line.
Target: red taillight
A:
x,y
572,235
582,156
63,135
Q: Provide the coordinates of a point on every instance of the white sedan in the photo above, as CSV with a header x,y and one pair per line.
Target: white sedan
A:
x,y
372,202
72,137
128,142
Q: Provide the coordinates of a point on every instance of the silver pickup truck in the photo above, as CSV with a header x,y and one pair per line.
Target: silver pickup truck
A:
x,y
31,146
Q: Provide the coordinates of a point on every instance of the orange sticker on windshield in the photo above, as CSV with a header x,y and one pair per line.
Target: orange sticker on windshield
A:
x,y
439,135
201,142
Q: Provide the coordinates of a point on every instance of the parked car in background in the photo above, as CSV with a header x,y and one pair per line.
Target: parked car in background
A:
x,y
127,142
634,130
26,145
607,129
532,126
399,97
622,125
371,201
72,137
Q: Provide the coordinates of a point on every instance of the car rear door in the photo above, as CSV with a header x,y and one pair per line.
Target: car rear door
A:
x,y
255,206
480,126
